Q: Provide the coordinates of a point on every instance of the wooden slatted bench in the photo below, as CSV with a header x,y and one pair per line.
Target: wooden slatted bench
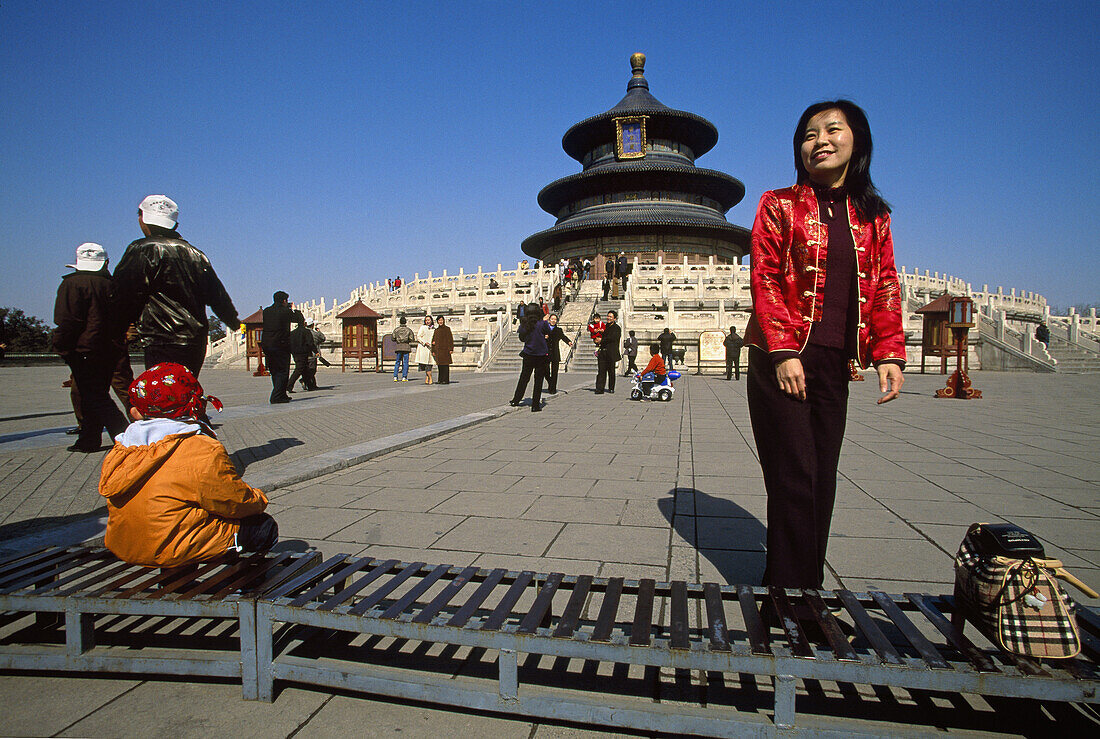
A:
x,y
350,624
81,609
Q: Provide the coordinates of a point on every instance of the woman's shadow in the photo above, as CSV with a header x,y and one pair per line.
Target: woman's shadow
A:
x,y
726,535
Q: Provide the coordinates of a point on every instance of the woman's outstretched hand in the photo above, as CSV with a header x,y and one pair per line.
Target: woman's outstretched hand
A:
x,y
792,378
890,380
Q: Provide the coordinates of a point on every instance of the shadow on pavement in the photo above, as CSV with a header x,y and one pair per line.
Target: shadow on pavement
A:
x,y
291,545
38,532
250,454
730,538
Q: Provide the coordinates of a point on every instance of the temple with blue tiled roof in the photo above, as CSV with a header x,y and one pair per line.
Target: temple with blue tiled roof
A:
x,y
639,191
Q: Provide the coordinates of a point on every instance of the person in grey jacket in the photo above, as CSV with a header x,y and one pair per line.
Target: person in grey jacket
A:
x,y
630,350
403,341
303,347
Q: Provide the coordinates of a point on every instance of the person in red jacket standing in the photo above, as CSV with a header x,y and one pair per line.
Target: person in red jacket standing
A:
x,y
824,290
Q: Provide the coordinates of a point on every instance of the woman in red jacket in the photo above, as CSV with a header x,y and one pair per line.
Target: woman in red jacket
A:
x,y
824,290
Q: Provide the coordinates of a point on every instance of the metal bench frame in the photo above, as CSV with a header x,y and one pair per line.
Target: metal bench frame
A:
x,y
390,598
74,586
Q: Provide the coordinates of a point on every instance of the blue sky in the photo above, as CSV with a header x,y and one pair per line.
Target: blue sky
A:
x,y
315,146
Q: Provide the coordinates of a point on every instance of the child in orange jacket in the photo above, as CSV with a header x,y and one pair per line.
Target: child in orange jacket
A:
x,y
173,495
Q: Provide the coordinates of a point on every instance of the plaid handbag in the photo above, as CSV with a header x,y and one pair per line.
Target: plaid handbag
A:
x,y
1006,587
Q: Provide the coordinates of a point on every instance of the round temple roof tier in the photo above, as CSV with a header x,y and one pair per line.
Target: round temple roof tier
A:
x,y
663,122
639,191
718,186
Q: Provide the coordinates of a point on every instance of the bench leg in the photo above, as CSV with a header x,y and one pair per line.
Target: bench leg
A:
x,y
79,632
508,665
784,701
246,625
264,631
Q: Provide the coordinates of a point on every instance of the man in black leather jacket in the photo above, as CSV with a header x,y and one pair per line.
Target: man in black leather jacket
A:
x,y
163,284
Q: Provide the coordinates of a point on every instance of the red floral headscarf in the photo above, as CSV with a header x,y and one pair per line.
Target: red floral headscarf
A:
x,y
169,390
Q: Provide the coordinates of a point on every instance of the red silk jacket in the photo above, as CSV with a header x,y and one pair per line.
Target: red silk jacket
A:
x,y
789,245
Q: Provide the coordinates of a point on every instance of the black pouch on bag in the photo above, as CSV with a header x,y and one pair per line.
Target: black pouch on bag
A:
x,y
1008,540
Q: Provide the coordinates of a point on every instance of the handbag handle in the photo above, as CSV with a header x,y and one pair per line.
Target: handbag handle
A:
x,y
1061,573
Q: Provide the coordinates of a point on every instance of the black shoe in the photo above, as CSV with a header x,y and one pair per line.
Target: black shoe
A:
x,y
82,448
290,391
75,430
513,403
599,392
536,408
281,400
611,391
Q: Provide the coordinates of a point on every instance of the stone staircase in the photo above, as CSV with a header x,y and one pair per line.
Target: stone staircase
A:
x,y
1071,358
574,318
507,358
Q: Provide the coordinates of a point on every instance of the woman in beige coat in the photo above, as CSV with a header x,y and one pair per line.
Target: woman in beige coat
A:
x,y
424,336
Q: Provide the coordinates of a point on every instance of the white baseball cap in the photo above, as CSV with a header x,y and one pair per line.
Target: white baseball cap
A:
x,y
159,210
90,257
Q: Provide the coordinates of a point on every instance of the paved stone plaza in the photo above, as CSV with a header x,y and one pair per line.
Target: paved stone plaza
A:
x,y
593,485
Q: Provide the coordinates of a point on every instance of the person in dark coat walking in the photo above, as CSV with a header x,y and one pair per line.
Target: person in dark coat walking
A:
x,y
163,284
275,342
554,341
533,329
665,340
608,355
733,344
622,268
303,345
89,339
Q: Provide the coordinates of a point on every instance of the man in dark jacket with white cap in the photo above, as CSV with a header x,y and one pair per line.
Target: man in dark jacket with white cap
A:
x,y
88,338
163,284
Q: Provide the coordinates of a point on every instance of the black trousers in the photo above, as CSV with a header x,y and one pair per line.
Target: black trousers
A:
x,y
605,371
258,533
92,376
733,363
536,366
444,373
303,370
189,355
631,366
121,379
552,375
667,356
278,365
799,447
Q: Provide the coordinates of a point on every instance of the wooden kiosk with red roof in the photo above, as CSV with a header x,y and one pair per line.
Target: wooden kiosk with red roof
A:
x,y
935,335
253,332
360,336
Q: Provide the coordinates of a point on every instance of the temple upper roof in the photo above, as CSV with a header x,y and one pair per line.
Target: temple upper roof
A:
x,y
663,122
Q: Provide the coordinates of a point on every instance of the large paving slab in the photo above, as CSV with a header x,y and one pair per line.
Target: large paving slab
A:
x,y
593,485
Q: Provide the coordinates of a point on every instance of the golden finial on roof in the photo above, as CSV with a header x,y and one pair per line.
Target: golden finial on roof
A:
x,y
637,63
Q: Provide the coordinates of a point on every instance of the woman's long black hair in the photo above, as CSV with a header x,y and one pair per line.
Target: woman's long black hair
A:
x,y
532,314
865,196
